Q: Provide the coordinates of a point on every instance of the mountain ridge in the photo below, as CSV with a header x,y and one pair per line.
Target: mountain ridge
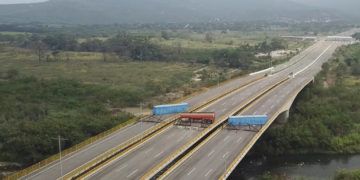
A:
x,y
155,11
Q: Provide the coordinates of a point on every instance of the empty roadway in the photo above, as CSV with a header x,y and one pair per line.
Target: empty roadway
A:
x,y
76,159
221,107
212,159
88,153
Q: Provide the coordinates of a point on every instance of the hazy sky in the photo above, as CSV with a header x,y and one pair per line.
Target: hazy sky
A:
x,y
19,1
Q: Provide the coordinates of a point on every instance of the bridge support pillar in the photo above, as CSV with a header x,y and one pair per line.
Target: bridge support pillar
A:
x,y
283,117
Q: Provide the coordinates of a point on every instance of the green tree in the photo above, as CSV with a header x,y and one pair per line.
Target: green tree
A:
x,y
209,37
356,36
165,35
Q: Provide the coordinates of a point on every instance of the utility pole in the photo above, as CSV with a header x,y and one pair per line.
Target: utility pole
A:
x,y
141,122
218,81
61,167
60,159
141,109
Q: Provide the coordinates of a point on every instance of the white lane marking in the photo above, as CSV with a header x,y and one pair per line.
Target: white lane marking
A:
x,y
193,169
208,172
132,173
212,152
147,151
239,139
227,137
122,167
77,153
226,154
313,61
159,154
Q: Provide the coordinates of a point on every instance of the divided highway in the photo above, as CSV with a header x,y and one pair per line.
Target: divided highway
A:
x,y
213,160
128,166
136,161
85,155
159,147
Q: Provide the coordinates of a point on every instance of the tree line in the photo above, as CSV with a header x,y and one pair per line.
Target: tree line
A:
x,y
356,36
140,48
325,117
34,112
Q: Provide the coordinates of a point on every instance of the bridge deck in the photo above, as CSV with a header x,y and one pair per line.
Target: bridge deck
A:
x,y
213,158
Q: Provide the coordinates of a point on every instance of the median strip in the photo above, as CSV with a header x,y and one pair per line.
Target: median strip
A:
x,y
133,143
157,170
247,148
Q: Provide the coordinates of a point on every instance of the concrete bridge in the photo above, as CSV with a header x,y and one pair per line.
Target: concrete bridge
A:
x,y
145,150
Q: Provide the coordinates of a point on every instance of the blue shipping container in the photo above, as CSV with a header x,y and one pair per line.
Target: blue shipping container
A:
x,y
170,109
247,120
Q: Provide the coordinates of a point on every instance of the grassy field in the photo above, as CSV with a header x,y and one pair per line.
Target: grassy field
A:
x,y
347,175
231,39
119,74
89,68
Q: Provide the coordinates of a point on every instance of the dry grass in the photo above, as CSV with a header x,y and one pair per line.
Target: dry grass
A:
x,y
90,68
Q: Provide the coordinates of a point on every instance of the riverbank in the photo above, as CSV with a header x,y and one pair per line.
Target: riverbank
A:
x,y
324,118
312,167
324,121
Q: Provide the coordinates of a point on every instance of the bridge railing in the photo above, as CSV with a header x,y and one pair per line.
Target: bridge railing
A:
x,y
157,168
247,148
93,164
37,166
68,151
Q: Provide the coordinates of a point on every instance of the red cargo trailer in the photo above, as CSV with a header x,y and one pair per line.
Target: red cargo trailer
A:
x,y
203,117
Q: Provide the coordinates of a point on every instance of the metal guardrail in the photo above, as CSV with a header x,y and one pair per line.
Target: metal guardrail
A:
x,y
31,169
88,167
173,167
117,150
247,148
298,59
159,167
221,84
66,152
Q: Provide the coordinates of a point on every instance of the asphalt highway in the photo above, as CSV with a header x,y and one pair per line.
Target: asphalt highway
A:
x,y
134,169
212,159
74,160
221,107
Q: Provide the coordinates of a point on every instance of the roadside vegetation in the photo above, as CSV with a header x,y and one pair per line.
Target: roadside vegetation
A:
x,y
325,118
356,36
57,82
347,175
34,112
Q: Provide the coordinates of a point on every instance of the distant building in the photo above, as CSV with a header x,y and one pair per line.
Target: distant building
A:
x,y
340,38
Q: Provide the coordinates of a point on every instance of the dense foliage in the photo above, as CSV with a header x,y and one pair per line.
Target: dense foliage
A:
x,y
356,36
48,47
325,119
34,112
251,26
347,175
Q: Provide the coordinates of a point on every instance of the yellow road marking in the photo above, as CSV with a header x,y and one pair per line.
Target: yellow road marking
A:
x,y
81,171
177,153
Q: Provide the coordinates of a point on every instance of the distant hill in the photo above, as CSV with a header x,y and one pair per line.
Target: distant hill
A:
x,y
153,11
349,7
